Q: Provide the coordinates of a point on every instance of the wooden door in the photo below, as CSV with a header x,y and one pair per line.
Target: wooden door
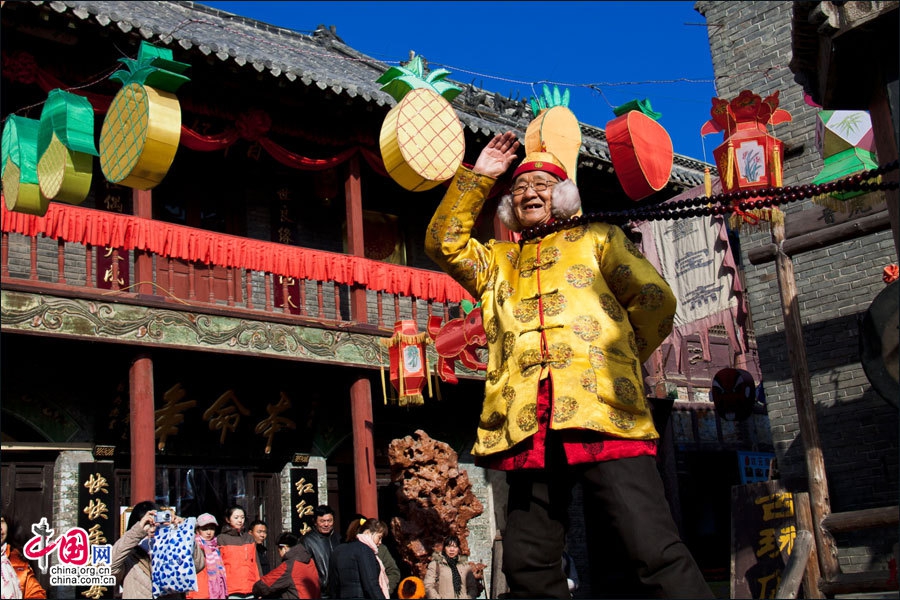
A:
x,y
27,496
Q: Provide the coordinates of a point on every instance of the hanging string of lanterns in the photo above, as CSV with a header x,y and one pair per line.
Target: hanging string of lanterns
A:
x,y
737,202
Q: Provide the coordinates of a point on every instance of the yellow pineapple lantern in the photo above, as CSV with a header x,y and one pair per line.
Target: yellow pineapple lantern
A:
x,y
554,129
422,140
21,191
142,128
66,147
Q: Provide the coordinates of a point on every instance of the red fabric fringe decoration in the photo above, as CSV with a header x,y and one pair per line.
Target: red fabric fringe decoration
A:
x,y
103,229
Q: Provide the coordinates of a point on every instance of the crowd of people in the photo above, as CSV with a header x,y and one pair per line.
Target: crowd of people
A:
x,y
230,560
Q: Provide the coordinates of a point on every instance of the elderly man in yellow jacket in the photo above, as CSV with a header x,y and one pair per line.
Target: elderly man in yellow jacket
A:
x,y
570,316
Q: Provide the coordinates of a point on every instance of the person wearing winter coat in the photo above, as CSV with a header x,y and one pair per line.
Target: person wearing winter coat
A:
x,y
131,561
384,554
238,550
19,580
295,577
356,571
449,575
321,541
211,580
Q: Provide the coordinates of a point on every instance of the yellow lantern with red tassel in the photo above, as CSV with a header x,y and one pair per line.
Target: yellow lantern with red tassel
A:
x,y
409,371
750,158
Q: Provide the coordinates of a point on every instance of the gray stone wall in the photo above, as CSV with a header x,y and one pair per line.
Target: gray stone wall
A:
x,y
750,44
65,504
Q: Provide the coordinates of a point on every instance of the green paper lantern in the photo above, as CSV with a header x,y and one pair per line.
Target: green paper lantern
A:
x,y
847,143
21,190
66,147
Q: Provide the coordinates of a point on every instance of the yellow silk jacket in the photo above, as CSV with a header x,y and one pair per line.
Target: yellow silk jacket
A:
x,y
581,306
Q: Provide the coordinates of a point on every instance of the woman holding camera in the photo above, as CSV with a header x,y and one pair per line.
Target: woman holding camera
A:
x,y
238,550
131,561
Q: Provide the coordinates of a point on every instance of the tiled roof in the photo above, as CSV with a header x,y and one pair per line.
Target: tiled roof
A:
x,y
319,59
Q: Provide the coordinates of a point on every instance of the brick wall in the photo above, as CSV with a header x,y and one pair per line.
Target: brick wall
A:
x,y
750,44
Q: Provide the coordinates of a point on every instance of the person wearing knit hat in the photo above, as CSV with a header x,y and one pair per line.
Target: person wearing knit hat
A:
x,y
570,312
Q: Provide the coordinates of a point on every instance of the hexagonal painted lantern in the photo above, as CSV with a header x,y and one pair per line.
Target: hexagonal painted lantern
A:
x,y
733,391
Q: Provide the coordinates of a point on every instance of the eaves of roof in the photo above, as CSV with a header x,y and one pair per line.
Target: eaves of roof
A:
x,y
319,58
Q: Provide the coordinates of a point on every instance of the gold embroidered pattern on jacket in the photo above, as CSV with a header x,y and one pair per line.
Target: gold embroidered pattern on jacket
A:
x,y
509,344
597,357
564,408
543,261
513,257
526,420
493,421
589,381
509,394
526,311
452,230
493,376
620,280
622,419
612,308
467,182
586,327
504,292
580,276
465,270
490,439
665,327
554,303
652,297
575,233
625,391
492,329
632,343
632,249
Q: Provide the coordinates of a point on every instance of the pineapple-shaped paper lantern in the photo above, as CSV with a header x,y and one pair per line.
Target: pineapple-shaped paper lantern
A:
x,y
21,190
640,149
847,143
421,140
66,147
750,158
143,125
554,129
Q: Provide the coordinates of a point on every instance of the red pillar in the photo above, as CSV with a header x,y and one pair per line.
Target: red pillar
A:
x,y
143,264
363,447
143,448
355,240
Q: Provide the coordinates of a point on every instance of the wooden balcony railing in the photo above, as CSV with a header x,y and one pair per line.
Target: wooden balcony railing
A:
x,y
74,251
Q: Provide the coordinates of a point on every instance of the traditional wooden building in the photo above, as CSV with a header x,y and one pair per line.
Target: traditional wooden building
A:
x,y
216,339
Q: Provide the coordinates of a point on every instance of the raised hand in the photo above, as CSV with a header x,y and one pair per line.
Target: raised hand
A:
x,y
496,157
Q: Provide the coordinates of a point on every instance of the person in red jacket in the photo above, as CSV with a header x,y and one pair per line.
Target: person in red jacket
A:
x,y
211,580
238,550
295,577
25,579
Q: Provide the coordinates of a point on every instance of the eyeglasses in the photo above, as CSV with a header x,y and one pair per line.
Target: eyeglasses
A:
x,y
537,186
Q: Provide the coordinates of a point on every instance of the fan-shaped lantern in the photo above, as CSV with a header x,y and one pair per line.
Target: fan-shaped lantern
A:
x,y
733,392
640,149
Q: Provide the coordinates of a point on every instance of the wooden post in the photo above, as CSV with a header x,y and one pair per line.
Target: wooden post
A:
x,y
806,410
363,447
143,430
143,264
805,521
886,145
355,238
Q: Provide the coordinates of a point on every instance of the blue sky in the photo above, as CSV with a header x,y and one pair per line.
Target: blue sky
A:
x,y
605,53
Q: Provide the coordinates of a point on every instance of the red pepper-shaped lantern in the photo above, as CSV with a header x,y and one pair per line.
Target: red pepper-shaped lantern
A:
x,y
458,339
733,392
408,363
749,157
640,149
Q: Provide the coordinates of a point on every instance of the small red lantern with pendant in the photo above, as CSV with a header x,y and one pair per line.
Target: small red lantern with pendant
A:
x,y
409,371
733,392
750,158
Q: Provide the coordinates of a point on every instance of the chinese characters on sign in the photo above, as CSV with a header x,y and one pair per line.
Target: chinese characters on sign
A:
x,y
764,530
304,498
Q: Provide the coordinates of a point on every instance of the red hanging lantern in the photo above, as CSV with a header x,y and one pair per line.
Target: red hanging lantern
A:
x,y
408,363
749,157
640,149
458,339
733,392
